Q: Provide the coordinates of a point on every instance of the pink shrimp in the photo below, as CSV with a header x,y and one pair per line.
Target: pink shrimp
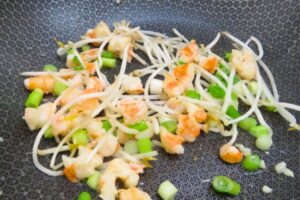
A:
x,y
171,143
188,128
189,52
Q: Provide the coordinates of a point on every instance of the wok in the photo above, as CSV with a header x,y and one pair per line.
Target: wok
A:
x,y
26,32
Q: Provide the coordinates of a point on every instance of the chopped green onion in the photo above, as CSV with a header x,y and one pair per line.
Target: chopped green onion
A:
x,y
232,112
76,61
252,85
167,191
180,62
248,123
264,142
236,79
139,126
270,108
109,62
224,184
59,87
228,56
34,99
251,162
258,131
84,196
131,147
216,91
220,77
80,137
78,68
50,68
48,133
107,54
224,68
93,180
193,94
70,51
234,96
106,125
85,48
170,125
144,145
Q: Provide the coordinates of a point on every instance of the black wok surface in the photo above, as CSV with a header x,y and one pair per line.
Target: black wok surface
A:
x,y
26,32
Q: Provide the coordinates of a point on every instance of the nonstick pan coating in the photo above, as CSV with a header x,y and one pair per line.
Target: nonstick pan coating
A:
x,y
26,32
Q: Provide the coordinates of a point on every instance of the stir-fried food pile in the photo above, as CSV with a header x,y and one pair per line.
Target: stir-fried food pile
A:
x,y
109,130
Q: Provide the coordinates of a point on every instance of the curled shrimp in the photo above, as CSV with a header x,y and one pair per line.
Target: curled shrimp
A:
x,y
45,83
101,30
133,110
132,85
188,128
197,112
118,44
109,147
133,193
171,143
189,52
209,63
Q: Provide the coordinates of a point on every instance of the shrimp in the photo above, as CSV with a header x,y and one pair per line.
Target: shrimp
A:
x,y
89,55
189,53
133,110
109,147
133,193
117,169
132,85
209,63
77,168
137,168
70,95
118,45
101,30
85,106
45,83
60,125
245,64
37,117
94,128
197,112
230,154
177,82
171,143
188,128
95,84
122,137
176,105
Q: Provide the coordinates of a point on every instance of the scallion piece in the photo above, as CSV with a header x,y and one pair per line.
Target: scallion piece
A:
x,y
251,163
167,191
216,91
109,62
50,68
78,68
270,108
76,61
224,68
84,196
232,112
70,51
228,56
224,184
59,87
131,147
258,131
34,99
264,142
144,145
93,180
248,123
252,85
85,48
107,54
139,126
106,125
48,133
80,137
170,125
180,62
193,94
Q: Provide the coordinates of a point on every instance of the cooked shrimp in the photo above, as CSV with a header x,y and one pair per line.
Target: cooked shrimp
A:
x,y
122,137
184,72
197,112
109,147
176,105
117,169
118,45
45,83
137,168
73,93
89,55
188,128
230,154
171,143
133,110
60,125
95,84
75,80
101,30
209,63
133,193
37,117
85,106
132,85
172,86
94,128
245,64
189,53
77,168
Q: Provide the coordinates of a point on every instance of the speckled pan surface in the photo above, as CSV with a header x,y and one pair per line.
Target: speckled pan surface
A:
x,y
26,31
